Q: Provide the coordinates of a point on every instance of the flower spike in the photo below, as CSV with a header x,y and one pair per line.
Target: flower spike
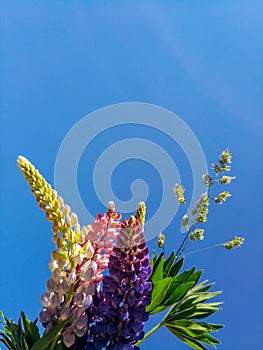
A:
x,y
77,264
140,213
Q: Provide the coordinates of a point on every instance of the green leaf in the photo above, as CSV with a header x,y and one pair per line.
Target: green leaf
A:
x,y
183,277
157,274
211,340
154,258
193,343
17,334
48,337
187,329
195,277
194,298
168,263
20,336
31,330
192,330
190,277
213,327
6,340
158,309
176,267
177,293
202,287
196,311
187,302
158,293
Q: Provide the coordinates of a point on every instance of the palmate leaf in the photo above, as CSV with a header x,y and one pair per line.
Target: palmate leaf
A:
x,y
182,319
173,291
186,299
193,333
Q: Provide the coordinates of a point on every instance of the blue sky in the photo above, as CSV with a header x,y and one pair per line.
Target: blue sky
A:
x,y
202,60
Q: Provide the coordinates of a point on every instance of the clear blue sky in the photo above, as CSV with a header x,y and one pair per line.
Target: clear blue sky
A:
x,y
202,60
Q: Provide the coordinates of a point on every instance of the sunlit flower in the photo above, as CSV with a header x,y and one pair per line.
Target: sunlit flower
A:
x,y
78,262
222,197
201,208
207,179
119,309
226,179
225,157
197,235
179,192
236,242
224,161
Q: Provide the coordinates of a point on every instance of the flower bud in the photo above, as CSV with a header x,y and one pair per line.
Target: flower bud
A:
x,y
69,339
45,300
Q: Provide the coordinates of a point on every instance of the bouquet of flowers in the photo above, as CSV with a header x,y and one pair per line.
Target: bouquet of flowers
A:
x,y
104,285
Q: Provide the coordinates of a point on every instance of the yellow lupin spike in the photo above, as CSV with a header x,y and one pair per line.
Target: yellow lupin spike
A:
x,y
45,196
140,213
67,234
64,221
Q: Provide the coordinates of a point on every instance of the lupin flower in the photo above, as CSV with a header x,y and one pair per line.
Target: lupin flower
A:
x,y
78,262
119,309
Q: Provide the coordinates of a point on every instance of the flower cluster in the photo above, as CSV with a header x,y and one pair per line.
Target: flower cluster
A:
x,y
236,242
119,309
78,262
222,197
200,210
197,215
179,193
104,287
197,234
224,161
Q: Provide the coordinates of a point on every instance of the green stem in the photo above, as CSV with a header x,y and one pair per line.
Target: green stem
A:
x,y
149,333
54,342
202,249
